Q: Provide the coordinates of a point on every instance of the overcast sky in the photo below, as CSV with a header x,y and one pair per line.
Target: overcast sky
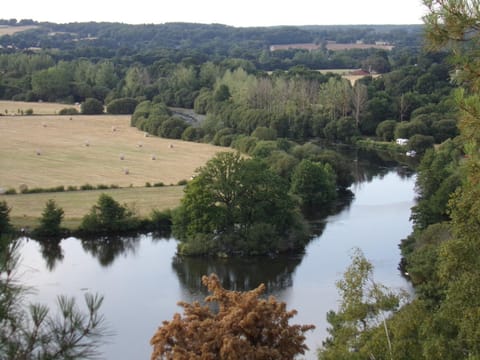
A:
x,y
235,13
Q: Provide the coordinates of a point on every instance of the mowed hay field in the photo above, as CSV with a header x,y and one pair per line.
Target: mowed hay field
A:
x,y
10,30
39,108
65,159
89,149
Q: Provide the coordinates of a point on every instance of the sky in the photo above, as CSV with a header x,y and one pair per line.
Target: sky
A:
x,y
243,13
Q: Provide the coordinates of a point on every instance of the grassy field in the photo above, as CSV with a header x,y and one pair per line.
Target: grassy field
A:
x,y
46,151
39,108
27,208
10,30
90,149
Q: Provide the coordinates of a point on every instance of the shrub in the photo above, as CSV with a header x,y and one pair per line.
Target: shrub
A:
x,y
87,187
122,106
386,130
29,111
182,182
158,184
161,221
420,143
91,106
68,111
264,133
10,191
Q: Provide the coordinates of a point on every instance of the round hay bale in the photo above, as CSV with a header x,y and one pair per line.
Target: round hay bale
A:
x,y
87,143
145,135
126,171
44,124
122,157
170,146
140,145
38,152
154,157
114,129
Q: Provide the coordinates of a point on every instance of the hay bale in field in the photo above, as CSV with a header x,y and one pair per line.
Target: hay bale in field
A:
x,y
38,152
154,157
114,129
145,135
122,157
126,171
87,143
140,145
44,124
170,146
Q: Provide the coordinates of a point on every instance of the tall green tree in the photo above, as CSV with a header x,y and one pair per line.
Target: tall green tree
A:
x,y
50,220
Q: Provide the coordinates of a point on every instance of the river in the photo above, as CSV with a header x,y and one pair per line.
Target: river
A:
x,y
142,279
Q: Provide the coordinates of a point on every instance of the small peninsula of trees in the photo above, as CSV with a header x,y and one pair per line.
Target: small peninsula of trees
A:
x,y
242,326
238,206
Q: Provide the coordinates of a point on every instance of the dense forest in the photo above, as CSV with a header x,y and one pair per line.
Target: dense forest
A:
x,y
273,105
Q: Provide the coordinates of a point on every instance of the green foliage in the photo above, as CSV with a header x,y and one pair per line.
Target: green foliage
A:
x,y
68,111
50,221
438,177
386,130
420,143
237,206
122,106
314,183
172,128
364,307
108,216
161,221
91,106
264,133
5,226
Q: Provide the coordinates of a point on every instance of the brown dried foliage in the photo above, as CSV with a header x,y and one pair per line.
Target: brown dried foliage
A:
x,y
244,326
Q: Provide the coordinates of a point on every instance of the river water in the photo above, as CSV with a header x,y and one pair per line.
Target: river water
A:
x,y
142,279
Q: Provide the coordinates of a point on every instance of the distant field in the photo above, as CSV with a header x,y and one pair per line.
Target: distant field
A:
x,y
27,208
9,30
89,149
39,108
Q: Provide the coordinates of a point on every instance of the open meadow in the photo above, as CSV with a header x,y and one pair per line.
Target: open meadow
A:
x,y
49,151
39,108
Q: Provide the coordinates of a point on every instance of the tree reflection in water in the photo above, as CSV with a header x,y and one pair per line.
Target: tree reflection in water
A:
x,y
106,249
239,274
51,252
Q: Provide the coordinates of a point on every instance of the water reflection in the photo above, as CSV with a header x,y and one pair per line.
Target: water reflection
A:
x,y
237,274
51,252
368,164
106,249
